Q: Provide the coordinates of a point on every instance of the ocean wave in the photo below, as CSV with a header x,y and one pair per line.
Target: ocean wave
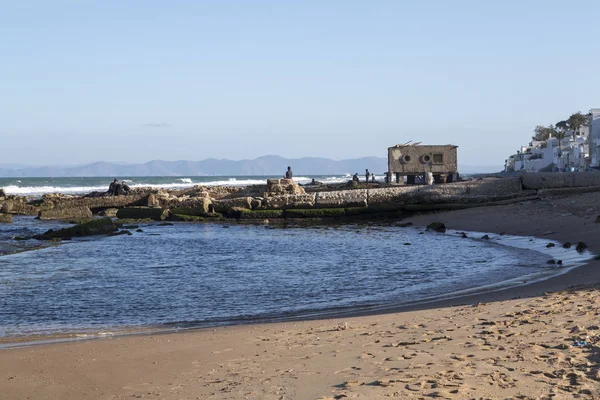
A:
x,y
181,183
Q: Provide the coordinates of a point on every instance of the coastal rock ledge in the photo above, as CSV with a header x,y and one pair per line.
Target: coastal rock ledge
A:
x,y
282,198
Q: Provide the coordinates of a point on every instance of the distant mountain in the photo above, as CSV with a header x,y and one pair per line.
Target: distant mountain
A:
x,y
266,165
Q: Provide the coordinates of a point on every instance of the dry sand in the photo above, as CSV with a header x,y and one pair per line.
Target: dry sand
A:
x,y
490,346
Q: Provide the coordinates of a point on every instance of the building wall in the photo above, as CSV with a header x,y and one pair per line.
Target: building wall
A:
x,y
594,141
407,160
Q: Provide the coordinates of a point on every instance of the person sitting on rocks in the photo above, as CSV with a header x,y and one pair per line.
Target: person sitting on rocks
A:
x,y
355,178
373,177
288,173
124,188
117,188
112,187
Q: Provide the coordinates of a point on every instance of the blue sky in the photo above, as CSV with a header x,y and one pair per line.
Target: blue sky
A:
x,y
132,81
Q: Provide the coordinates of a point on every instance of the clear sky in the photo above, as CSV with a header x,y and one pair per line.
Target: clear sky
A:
x,y
132,81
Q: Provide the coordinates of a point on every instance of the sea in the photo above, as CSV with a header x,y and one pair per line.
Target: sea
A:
x,y
167,278
81,185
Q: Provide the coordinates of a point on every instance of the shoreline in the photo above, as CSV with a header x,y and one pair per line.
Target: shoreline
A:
x,y
495,345
576,260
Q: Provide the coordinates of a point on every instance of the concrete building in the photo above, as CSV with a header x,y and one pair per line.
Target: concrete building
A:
x,y
413,161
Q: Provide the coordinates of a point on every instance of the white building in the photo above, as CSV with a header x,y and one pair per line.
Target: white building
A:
x,y
573,153
594,138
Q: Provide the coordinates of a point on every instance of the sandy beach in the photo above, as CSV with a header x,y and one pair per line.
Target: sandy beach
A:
x,y
521,343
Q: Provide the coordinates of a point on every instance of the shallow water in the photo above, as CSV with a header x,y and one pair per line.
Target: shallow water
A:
x,y
191,275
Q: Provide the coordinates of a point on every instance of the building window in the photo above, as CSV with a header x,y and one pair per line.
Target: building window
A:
x,y
438,158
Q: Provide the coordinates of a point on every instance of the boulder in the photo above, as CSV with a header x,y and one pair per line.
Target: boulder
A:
x,y
581,246
2,194
5,218
6,207
17,206
282,186
190,206
109,212
224,205
156,214
94,227
153,200
73,213
437,226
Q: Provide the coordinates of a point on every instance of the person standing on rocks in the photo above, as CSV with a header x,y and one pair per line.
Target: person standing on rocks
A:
x,y
367,175
288,173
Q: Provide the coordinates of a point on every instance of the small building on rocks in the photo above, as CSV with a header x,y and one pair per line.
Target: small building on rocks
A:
x,y
413,161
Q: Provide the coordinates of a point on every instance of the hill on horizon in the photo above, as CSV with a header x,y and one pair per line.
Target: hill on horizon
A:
x,y
265,165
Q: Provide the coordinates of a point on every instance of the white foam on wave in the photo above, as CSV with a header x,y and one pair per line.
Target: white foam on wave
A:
x,y
181,184
40,190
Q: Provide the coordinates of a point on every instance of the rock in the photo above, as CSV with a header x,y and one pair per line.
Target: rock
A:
x,y
109,212
139,230
122,232
2,194
581,247
186,218
485,237
156,214
224,205
294,201
94,227
152,200
342,198
282,186
255,204
198,206
78,213
5,218
463,235
598,219
257,214
567,245
550,245
437,227
550,262
316,213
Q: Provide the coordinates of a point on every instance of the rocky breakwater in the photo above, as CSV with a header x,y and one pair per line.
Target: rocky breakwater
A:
x,y
65,207
284,199
287,200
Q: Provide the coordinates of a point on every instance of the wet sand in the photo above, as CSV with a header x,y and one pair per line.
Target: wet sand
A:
x,y
517,343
